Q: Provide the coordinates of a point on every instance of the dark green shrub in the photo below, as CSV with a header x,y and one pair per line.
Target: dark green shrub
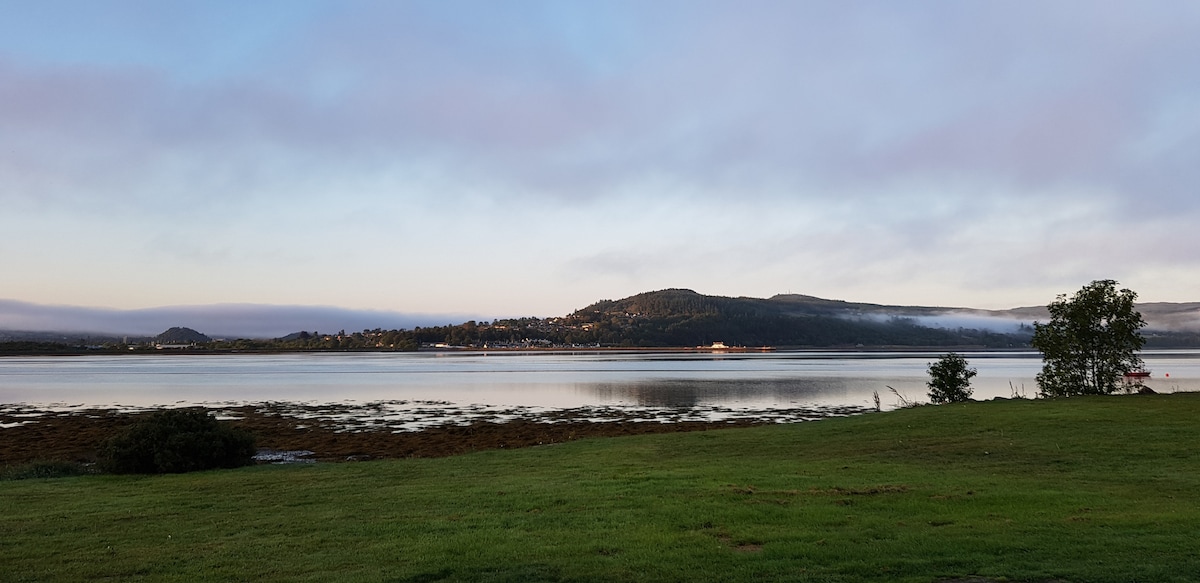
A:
x,y
176,441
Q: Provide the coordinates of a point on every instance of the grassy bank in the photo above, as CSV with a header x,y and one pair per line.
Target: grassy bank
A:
x,y
1086,489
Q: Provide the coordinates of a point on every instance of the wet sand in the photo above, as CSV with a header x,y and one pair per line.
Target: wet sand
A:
x,y
299,432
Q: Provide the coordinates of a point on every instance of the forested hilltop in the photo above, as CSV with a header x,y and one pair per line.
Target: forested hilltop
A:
x,y
672,318
685,318
680,317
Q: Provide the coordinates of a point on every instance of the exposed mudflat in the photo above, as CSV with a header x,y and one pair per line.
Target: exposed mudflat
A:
x,y
296,432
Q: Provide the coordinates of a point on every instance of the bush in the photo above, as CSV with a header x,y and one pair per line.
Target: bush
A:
x,y
950,380
176,441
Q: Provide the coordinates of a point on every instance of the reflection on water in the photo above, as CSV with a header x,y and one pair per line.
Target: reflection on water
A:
x,y
759,381
751,391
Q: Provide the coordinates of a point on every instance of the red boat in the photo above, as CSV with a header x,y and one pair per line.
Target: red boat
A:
x,y
1137,374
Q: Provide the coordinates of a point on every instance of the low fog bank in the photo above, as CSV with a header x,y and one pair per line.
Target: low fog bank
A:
x,y
217,321
1160,317
954,320
1168,317
975,321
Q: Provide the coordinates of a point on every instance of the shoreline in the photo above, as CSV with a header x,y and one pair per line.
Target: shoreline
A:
x,y
552,350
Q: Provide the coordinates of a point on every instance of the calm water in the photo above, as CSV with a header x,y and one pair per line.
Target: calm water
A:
x,y
758,381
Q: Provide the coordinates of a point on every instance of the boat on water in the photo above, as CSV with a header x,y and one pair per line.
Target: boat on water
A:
x,y
1138,374
722,347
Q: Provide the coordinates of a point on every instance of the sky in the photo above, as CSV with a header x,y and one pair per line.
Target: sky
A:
x,y
525,158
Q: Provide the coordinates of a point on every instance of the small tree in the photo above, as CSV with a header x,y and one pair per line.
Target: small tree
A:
x,y
1091,341
950,379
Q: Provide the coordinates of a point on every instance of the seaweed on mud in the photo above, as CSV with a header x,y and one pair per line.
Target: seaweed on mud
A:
x,y
382,429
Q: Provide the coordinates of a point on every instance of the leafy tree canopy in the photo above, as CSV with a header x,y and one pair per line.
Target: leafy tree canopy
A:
x,y
1091,341
950,379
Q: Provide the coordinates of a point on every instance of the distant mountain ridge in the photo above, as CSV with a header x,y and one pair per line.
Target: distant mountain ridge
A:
x,y
680,316
686,301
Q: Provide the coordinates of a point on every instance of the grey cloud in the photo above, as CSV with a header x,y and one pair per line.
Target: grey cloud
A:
x,y
813,100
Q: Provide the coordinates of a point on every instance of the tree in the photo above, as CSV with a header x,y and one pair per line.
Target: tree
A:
x,y
950,379
1091,341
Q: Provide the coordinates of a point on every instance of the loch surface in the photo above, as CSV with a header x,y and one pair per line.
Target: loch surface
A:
x,y
529,379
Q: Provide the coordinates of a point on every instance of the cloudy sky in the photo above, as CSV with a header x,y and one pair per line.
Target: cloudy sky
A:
x,y
528,158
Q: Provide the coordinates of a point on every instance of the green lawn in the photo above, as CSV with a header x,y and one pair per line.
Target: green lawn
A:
x,y
1082,490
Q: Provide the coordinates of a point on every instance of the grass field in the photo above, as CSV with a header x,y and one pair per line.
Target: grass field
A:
x,y
1081,490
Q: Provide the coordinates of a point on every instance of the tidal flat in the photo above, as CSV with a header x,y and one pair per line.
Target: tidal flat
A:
x,y
296,432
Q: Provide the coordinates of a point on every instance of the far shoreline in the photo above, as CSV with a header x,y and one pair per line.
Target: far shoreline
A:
x,y
547,350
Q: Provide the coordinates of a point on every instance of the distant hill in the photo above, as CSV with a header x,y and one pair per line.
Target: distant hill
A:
x,y
680,317
179,335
